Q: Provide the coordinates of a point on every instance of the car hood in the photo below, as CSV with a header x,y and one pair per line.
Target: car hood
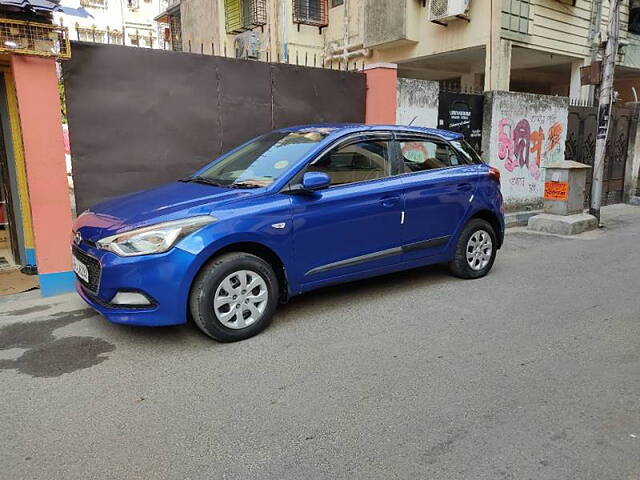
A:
x,y
161,204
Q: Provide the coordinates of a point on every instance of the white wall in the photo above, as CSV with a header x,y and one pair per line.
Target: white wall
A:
x,y
523,133
417,100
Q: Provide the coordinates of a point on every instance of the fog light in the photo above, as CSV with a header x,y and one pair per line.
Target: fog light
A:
x,y
130,298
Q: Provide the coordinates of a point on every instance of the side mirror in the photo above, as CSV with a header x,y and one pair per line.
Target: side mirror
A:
x,y
311,181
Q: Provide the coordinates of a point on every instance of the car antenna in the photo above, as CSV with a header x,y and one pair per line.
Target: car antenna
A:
x,y
413,120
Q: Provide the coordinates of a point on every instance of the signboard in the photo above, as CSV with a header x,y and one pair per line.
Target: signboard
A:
x,y
556,191
591,74
462,112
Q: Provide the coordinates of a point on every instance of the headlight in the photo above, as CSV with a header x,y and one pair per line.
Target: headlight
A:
x,y
154,239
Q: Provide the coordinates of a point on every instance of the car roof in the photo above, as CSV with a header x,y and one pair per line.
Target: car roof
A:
x,y
339,129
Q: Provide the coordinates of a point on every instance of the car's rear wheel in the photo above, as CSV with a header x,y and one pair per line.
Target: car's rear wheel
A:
x,y
475,251
234,297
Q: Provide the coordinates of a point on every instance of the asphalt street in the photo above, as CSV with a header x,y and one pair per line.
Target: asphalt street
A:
x,y
530,373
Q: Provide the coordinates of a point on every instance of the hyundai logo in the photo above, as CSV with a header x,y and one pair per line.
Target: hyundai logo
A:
x,y
78,238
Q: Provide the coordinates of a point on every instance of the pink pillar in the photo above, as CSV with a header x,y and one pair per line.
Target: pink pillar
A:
x,y
40,119
382,86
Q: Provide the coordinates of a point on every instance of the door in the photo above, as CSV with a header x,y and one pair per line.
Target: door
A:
x,y
354,224
439,183
581,146
9,250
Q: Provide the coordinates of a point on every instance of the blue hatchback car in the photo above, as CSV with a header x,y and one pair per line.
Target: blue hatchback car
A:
x,y
290,211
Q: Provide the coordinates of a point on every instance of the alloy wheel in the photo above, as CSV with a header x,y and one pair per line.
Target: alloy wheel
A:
x,y
240,299
479,250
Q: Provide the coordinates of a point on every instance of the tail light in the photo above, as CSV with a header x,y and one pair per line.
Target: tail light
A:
x,y
494,174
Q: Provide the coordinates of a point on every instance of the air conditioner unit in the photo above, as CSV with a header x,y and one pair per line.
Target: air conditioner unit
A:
x,y
441,11
247,45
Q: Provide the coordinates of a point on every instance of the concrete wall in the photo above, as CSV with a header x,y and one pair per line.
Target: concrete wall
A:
x,y
523,133
199,26
38,101
421,37
417,99
383,29
381,98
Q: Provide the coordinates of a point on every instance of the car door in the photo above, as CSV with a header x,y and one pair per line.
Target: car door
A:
x,y
439,184
354,225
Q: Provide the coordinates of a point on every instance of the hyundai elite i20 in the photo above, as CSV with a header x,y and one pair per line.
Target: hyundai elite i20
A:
x,y
290,211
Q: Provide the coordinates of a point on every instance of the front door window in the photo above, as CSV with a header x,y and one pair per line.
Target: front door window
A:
x,y
355,162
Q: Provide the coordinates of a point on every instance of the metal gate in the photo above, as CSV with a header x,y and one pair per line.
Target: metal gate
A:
x,y
188,110
581,147
462,112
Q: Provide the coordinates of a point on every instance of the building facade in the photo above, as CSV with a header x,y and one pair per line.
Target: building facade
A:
x,y
535,46
122,22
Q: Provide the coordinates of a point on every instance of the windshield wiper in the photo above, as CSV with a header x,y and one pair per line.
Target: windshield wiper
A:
x,y
245,185
252,183
205,180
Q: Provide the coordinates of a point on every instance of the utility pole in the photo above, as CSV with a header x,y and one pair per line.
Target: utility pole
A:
x,y
604,105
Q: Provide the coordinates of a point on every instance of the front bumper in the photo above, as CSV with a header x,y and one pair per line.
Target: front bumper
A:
x,y
164,278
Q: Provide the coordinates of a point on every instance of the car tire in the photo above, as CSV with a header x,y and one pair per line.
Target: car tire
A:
x,y
475,251
223,304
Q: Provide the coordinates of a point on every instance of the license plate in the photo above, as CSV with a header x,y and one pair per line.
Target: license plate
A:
x,y
80,268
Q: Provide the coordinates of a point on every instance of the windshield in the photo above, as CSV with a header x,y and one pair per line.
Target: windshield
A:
x,y
263,160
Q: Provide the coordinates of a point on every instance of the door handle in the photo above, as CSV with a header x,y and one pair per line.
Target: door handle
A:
x,y
389,201
465,187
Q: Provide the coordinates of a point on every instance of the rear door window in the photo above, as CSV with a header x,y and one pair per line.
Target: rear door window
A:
x,y
417,155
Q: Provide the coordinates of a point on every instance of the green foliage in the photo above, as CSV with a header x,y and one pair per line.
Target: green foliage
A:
x,y
63,102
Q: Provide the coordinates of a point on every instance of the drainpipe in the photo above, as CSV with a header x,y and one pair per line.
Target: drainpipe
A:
x,y
345,40
335,48
285,40
364,52
124,28
336,52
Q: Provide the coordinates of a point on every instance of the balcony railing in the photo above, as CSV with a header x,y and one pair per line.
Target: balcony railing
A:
x,y
32,38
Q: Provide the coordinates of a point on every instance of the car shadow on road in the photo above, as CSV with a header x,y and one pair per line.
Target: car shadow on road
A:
x,y
344,294
298,308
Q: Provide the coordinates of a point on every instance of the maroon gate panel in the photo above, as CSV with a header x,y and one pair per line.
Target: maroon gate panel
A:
x,y
140,117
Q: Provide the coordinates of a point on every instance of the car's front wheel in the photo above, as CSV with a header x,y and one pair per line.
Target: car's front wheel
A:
x,y
475,251
234,297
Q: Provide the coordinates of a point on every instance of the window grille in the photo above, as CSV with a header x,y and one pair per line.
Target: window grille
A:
x,y
32,38
242,15
310,12
176,33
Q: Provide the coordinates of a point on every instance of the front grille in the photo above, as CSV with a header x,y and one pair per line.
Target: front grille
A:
x,y
93,266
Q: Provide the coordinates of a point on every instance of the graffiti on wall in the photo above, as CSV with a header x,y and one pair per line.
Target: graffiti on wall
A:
x,y
524,150
515,145
528,133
